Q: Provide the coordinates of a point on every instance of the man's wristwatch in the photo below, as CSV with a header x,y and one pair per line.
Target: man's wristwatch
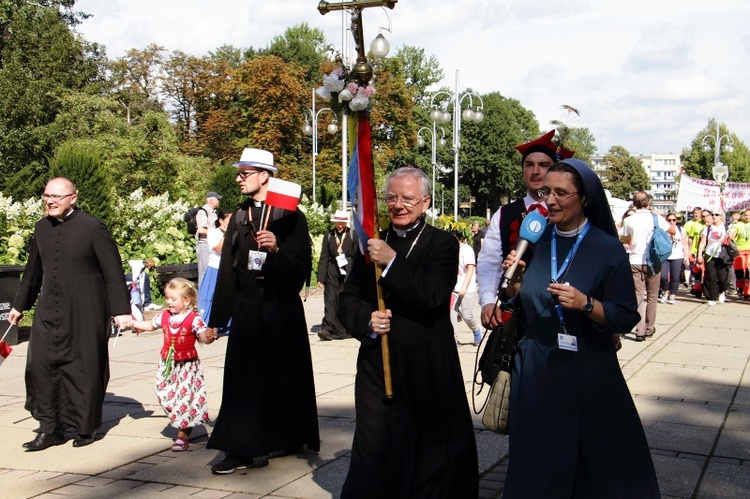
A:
x,y
588,307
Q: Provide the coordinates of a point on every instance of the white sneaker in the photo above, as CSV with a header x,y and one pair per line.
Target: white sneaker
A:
x,y
671,300
722,298
710,303
152,306
663,298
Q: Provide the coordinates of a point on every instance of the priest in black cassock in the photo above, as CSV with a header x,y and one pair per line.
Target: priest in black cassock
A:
x,y
75,269
336,259
268,406
422,444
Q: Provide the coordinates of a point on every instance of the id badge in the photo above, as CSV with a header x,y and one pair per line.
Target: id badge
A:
x,y
341,262
256,259
567,342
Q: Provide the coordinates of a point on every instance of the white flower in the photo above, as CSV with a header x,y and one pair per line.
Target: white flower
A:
x,y
345,95
323,92
359,102
332,82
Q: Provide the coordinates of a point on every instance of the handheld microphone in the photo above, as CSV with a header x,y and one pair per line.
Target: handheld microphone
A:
x,y
531,230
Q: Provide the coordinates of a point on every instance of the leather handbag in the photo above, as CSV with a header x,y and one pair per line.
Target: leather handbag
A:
x,y
495,366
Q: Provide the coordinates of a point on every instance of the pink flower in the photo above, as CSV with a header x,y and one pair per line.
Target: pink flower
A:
x,y
162,385
183,391
170,395
183,408
338,71
199,383
202,400
352,87
193,412
183,424
368,91
205,416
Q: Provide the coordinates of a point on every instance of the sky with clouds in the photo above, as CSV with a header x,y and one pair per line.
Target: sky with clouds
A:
x,y
644,74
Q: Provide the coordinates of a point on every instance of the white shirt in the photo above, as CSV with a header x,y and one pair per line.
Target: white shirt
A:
x,y
678,252
714,236
491,256
640,227
212,239
465,258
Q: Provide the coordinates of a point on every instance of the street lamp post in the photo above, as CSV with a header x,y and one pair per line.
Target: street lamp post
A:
x,y
312,130
421,143
720,171
468,114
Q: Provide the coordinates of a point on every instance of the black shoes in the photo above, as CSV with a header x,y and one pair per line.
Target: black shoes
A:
x,y
230,463
44,441
84,440
325,335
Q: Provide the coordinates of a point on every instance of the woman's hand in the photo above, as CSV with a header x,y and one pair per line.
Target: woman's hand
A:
x,y
568,296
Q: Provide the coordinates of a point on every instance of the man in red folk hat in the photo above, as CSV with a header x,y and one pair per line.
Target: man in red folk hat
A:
x,y
536,157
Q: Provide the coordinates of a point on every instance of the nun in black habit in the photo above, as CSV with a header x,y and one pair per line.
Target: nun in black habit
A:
x,y
574,429
422,445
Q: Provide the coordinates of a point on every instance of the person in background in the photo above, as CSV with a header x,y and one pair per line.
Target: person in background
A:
x,y
205,219
477,238
464,297
742,262
732,229
336,258
693,229
215,242
715,276
574,429
180,385
75,270
637,231
620,233
672,268
422,444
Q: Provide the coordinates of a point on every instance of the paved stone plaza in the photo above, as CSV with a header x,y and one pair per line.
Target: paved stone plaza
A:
x,y
691,384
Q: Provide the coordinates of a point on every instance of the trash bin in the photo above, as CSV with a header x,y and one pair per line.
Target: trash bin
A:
x,y
9,281
187,271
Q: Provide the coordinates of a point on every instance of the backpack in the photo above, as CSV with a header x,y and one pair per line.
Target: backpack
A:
x,y
660,246
192,224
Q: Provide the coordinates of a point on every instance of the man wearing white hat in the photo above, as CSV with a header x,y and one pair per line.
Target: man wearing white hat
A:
x,y
268,404
336,257
205,219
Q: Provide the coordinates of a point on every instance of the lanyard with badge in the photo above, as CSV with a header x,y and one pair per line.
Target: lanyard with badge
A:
x,y
340,255
255,258
565,341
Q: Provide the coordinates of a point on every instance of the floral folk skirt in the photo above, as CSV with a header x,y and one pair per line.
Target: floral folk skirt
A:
x,y
182,394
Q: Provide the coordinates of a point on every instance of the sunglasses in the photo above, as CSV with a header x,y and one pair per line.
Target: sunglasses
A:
x,y
717,214
671,220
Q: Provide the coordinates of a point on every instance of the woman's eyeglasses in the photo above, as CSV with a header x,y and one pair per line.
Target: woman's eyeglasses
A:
x,y
560,196
671,220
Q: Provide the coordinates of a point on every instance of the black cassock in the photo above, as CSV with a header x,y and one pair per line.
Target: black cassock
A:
x,y
329,274
421,446
268,401
77,267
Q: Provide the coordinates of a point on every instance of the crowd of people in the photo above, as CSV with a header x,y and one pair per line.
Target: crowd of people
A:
x,y
586,284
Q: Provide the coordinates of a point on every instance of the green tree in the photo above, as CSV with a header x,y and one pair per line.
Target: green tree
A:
x,y
224,182
698,160
302,45
623,173
577,139
419,72
42,61
137,79
489,165
82,162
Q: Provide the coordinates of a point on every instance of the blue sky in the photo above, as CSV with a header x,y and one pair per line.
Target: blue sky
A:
x,y
644,74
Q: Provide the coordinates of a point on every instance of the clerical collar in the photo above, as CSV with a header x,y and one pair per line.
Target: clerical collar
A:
x,y
572,232
403,232
257,204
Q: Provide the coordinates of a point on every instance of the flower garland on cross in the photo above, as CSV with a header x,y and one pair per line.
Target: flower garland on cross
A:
x,y
340,88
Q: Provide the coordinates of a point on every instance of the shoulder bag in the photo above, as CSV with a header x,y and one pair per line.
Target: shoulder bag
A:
x,y
494,366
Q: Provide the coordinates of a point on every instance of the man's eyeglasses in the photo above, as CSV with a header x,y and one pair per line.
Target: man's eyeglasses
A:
x,y
559,195
409,202
55,197
245,175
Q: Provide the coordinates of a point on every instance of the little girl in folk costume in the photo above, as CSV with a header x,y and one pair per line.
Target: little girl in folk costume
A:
x,y
180,386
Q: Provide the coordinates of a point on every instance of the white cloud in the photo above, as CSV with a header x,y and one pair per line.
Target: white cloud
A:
x,y
645,74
